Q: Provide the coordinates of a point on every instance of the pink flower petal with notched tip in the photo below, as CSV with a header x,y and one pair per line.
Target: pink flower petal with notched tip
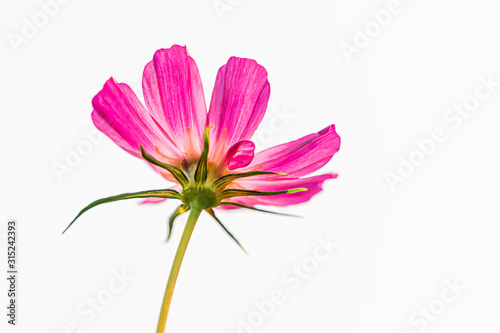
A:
x,y
300,157
174,94
313,185
239,101
119,114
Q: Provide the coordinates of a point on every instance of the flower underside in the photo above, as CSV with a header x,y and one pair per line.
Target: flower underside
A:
x,y
197,189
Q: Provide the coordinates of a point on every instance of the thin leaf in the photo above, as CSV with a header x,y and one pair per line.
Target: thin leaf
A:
x,y
180,210
256,209
143,194
212,213
229,193
200,175
176,172
227,178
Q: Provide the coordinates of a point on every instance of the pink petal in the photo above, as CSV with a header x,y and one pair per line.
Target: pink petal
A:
x,y
240,155
152,200
239,101
300,157
174,94
119,114
313,184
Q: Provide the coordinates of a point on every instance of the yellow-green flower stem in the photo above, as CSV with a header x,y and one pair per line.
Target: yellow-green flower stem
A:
x,y
174,272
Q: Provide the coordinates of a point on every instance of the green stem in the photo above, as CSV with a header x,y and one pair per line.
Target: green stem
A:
x,y
174,272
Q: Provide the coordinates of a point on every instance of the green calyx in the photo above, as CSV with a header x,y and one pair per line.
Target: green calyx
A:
x,y
199,195
197,191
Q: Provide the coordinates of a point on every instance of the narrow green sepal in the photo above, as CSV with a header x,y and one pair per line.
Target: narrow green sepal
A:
x,y
168,194
256,209
200,175
180,210
228,178
176,172
229,193
212,213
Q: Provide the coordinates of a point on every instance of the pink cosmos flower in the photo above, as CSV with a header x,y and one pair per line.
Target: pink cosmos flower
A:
x,y
170,132
170,128
209,156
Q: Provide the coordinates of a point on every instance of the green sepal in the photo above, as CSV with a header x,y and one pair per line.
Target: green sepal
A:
x,y
212,213
228,178
180,210
200,175
176,172
256,209
168,194
229,193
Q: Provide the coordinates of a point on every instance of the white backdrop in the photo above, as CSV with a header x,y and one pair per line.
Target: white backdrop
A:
x,y
405,240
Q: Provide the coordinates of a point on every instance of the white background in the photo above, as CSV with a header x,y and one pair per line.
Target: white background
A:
x,y
398,246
